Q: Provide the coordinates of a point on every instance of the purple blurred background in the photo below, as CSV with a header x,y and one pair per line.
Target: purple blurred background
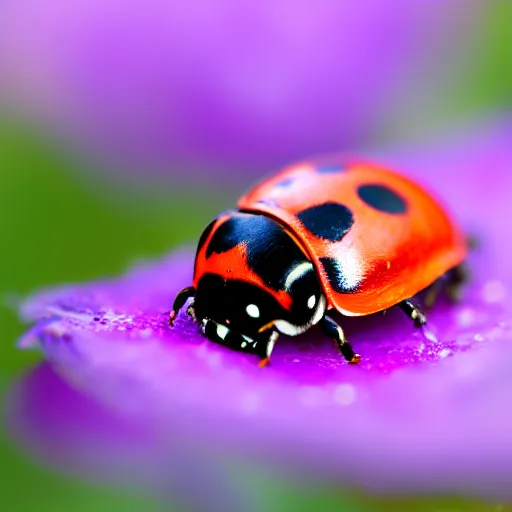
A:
x,y
200,88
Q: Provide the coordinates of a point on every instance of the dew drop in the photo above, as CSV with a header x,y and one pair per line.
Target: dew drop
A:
x,y
345,394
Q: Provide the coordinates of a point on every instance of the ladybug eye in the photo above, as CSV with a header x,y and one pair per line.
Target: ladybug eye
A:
x,y
253,311
311,302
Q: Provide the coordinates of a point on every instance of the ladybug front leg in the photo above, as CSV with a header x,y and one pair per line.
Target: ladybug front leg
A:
x,y
334,331
179,302
413,312
452,283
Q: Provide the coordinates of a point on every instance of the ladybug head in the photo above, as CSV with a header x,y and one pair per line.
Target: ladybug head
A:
x,y
252,280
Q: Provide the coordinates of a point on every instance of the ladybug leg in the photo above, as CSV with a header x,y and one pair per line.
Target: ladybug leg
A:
x,y
457,277
433,294
413,312
452,283
191,312
333,330
179,302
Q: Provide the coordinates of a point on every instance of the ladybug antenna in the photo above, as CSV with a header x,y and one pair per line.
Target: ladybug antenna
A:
x,y
179,302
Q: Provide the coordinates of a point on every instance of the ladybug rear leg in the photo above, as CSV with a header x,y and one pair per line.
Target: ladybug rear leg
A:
x,y
413,312
457,278
433,294
451,283
334,331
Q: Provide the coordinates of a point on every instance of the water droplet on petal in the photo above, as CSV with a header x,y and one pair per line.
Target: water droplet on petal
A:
x,y
494,291
310,396
466,317
345,394
445,353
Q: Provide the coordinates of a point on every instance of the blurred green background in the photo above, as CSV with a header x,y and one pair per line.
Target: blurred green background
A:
x,y
60,224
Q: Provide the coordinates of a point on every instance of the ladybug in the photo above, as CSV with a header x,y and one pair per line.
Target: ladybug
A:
x,y
318,238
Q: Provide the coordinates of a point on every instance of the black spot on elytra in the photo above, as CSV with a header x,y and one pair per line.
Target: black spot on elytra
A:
x,y
330,169
270,250
329,221
336,276
382,198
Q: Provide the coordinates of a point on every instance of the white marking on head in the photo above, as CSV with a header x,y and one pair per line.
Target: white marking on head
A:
x,y
253,311
294,330
320,311
244,344
246,338
290,329
311,302
222,331
297,272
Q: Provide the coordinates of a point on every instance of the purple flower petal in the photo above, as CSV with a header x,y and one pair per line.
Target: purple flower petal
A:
x,y
171,85
51,409
72,430
424,412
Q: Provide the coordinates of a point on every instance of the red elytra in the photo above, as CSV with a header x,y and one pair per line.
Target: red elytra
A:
x,y
357,238
389,256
